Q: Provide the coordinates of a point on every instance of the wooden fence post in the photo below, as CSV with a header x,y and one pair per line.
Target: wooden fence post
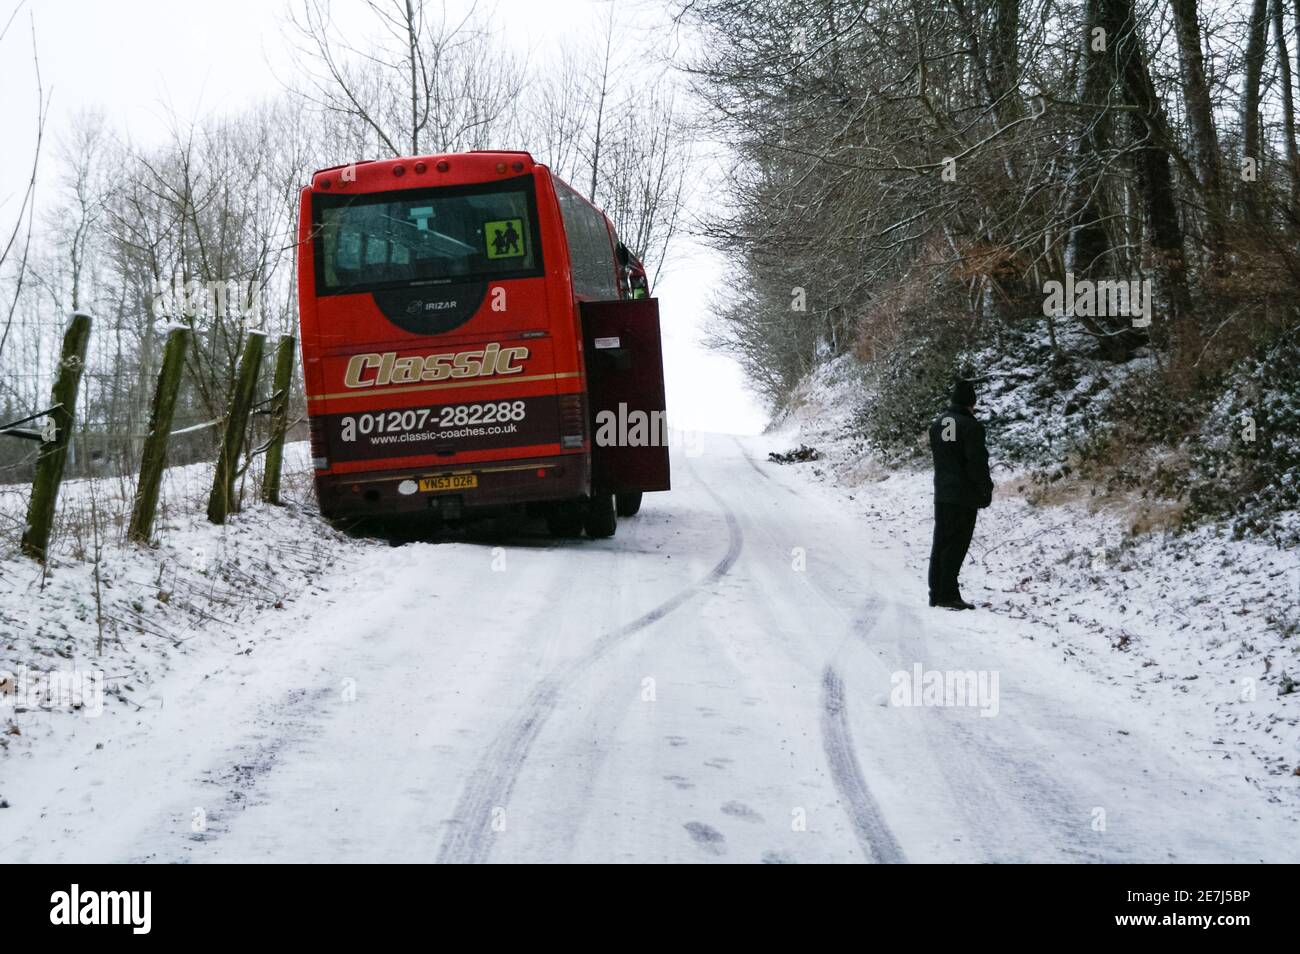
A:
x,y
154,458
241,403
54,453
279,417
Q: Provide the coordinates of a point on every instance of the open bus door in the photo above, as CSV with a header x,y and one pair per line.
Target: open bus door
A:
x,y
625,394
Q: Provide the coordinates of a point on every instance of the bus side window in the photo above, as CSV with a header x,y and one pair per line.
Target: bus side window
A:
x,y
590,250
603,274
576,215
590,277
609,260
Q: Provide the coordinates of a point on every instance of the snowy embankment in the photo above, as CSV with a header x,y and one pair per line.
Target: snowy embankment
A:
x,y
1203,629
137,613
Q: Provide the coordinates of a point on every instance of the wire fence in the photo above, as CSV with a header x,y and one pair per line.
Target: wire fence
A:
x,y
111,424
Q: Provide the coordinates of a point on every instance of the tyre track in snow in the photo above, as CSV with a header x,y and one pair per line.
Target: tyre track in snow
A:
x,y
760,471
1009,780
873,835
488,790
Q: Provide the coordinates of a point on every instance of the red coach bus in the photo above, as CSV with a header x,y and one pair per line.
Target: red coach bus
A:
x,y
475,338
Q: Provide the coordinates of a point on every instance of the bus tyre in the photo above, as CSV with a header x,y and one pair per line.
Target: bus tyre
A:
x,y
602,519
565,520
628,504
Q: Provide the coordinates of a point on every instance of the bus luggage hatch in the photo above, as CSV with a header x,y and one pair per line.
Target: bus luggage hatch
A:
x,y
625,393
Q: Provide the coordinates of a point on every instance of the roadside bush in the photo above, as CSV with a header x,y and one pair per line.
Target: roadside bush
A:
x,y
1247,463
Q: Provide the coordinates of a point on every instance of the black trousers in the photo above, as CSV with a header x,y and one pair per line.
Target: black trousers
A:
x,y
954,525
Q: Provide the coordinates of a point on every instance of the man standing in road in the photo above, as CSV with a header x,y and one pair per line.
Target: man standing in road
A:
x,y
962,486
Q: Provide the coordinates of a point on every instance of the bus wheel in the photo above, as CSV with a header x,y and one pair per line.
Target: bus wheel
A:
x,y
564,520
602,519
628,504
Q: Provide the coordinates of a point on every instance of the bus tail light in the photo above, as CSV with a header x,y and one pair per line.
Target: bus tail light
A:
x,y
319,455
572,421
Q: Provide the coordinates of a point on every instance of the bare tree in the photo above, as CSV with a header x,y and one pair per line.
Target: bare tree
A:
x,y
642,182
617,132
1251,143
422,81
1204,141
912,173
18,239
556,115
1288,105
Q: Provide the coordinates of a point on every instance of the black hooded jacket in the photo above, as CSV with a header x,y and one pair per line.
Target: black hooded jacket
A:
x,y
961,464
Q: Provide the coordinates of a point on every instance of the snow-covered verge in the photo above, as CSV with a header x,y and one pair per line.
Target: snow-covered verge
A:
x,y
137,613
1203,628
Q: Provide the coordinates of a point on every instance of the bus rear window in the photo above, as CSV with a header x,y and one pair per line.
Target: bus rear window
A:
x,y
426,236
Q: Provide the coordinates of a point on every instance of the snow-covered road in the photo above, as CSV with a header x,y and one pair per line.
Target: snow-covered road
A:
x,y
712,684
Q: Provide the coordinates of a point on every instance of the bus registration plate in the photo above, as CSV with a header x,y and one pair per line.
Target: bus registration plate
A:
x,y
449,482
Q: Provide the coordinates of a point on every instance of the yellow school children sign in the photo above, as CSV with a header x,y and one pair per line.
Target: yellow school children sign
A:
x,y
505,239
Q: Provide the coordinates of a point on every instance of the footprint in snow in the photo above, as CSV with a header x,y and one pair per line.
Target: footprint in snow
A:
x,y
707,837
742,811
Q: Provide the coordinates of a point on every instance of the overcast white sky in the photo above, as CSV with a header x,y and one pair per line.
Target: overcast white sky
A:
x,y
138,60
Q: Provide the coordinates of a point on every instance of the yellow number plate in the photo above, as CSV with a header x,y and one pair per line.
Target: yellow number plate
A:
x,y
452,482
